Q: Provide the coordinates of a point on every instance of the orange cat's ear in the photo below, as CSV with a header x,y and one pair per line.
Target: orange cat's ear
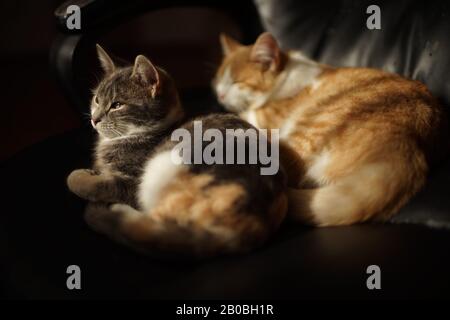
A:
x,y
228,44
105,60
266,52
145,72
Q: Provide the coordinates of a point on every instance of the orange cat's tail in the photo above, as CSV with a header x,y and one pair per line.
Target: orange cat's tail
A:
x,y
374,192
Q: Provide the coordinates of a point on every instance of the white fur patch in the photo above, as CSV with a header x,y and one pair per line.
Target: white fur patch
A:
x,y
135,130
300,72
158,173
224,82
317,170
288,127
250,117
316,84
236,98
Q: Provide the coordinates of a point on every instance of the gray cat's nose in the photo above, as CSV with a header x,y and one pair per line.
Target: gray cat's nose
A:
x,y
94,121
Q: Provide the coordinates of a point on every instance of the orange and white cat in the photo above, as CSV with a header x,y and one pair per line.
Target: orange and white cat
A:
x,y
358,142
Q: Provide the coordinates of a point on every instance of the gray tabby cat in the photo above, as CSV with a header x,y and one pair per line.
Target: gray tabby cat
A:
x,y
140,197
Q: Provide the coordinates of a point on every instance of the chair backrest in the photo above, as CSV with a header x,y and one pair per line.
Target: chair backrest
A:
x,y
414,39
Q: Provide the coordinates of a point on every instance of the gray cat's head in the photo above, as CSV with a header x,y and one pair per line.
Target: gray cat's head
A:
x,y
134,99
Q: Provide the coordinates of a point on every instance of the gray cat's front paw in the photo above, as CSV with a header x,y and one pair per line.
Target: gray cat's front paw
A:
x,y
82,183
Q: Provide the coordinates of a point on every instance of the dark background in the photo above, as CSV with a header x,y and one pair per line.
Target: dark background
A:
x,y
44,232
182,40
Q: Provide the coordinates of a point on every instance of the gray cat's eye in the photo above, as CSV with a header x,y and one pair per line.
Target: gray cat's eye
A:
x,y
116,105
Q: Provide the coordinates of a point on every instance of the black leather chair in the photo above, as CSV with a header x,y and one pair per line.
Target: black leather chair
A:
x,y
40,237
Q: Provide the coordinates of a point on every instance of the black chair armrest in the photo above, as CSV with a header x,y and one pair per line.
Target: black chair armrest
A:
x,y
102,13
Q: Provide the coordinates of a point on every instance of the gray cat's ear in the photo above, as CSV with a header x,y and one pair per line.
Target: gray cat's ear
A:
x,y
147,73
228,44
266,52
106,62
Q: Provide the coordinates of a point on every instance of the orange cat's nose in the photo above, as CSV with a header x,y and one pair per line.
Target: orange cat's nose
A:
x,y
221,96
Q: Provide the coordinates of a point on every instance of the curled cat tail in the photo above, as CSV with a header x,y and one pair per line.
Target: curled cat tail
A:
x,y
374,192
165,236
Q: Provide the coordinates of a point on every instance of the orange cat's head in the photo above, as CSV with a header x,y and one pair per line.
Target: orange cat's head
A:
x,y
247,74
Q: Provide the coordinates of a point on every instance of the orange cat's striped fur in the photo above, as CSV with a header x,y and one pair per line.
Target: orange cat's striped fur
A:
x,y
358,142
